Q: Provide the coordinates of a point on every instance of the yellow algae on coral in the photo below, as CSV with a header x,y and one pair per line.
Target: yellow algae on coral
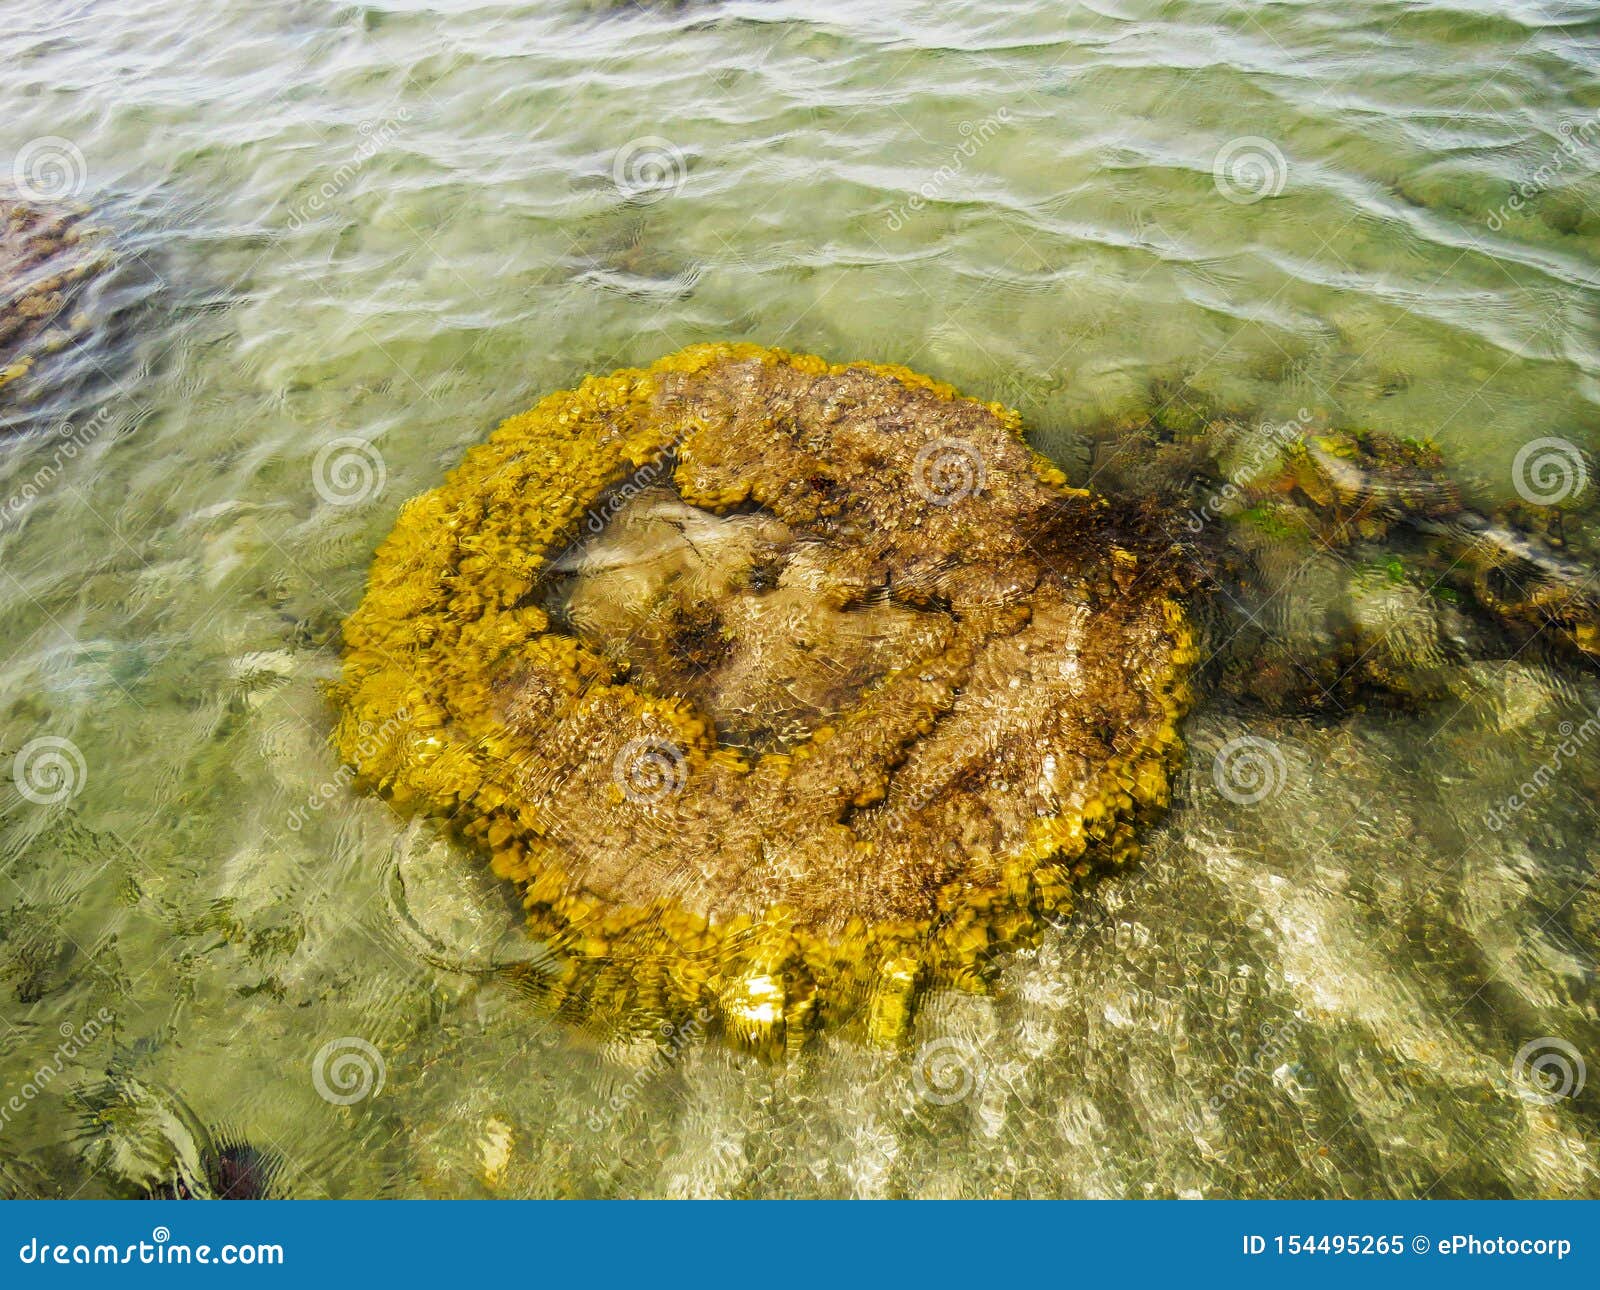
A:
x,y
783,688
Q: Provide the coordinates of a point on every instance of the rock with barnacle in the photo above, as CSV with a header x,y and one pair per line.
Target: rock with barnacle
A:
x,y
782,688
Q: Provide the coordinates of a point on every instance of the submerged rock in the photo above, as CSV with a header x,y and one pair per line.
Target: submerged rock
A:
x,y
233,1169
145,1140
46,254
784,689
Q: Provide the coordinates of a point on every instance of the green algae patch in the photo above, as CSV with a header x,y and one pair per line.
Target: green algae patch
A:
x,y
783,689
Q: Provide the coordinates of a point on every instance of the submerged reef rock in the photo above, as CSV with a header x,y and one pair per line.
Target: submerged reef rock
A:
x,y
232,1169
1355,488
46,254
1353,567
782,688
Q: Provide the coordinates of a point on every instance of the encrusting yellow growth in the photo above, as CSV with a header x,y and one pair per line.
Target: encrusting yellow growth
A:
x,y
783,688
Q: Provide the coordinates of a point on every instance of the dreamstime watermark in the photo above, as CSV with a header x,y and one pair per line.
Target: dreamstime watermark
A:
x,y
945,1071
947,471
1547,1070
1549,471
1248,769
1275,1042
371,742
376,136
1225,982
900,815
70,440
74,1039
1579,143
49,770
49,169
642,479
348,471
1268,447
675,1039
649,770
160,1250
613,502
1249,169
648,169
347,1070
1573,739
974,135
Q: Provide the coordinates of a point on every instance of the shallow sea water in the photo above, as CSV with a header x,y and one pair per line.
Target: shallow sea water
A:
x,y
401,222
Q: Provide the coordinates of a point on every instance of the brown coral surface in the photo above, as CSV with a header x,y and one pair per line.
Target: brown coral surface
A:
x,y
782,687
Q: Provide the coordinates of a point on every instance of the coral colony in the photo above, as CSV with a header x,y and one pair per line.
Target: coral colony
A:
x,y
842,694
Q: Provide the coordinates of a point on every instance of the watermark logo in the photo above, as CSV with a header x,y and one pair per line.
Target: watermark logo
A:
x,y
348,471
371,742
160,1250
649,169
974,136
1577,145
646,477
1573,740
74,1039
1248,769
674,1039
49,770
945,1071
49,169
1546,472
1271,444
649,770
1276,1042
900,816
1548,1069
1248,169
375,136
69,440
347,1070
947,471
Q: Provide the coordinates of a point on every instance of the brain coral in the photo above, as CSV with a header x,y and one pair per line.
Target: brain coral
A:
x,y
782,688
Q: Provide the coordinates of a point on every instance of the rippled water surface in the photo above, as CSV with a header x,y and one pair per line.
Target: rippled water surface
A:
x,y
400,222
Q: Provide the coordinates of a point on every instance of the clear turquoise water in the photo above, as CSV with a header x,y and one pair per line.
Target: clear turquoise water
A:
x,y
401,222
